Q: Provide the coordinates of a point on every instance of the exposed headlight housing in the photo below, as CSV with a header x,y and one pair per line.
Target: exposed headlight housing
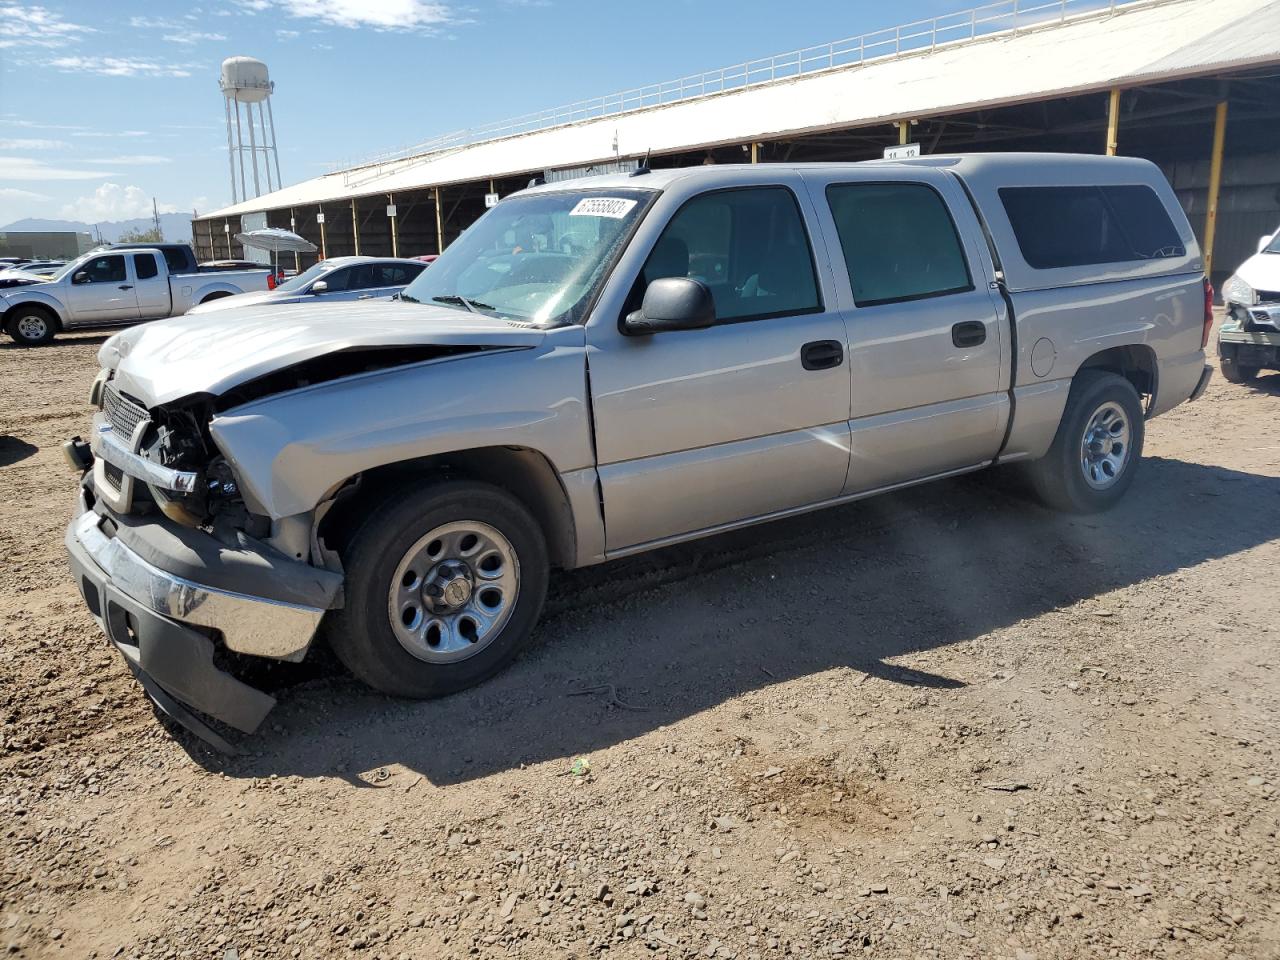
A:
x,y
1236,290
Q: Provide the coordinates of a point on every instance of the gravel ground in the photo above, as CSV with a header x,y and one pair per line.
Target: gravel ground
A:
x,y
945,723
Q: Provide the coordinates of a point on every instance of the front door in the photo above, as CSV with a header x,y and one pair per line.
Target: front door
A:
x,y
101,291
697,429
928,342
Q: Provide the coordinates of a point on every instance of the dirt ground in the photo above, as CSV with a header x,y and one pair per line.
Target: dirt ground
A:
x,y
945,723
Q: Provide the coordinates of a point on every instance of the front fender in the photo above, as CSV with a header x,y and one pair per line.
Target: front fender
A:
x,y
289,450
22,297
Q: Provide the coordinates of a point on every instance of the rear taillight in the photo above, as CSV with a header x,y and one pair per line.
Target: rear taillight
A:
x,y
1208,313
271,281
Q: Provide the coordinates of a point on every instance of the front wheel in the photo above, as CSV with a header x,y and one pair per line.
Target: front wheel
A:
x,y
1096,450
444,585
31,326
1232,372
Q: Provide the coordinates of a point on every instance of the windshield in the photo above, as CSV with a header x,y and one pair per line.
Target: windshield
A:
x,y
537,257
73,264
305,277
1274,245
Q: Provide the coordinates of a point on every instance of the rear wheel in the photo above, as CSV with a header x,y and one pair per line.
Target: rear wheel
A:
x,y
31,326
444,585
1096,450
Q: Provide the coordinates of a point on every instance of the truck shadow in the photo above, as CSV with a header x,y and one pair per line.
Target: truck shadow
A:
x,y
665,636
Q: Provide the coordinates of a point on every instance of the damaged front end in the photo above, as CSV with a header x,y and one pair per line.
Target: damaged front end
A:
x,y
175,567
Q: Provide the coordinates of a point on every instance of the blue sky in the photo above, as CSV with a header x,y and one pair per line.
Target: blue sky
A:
x,y
107,103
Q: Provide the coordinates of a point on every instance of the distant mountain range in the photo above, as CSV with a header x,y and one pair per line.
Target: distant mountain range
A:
x,y
176,226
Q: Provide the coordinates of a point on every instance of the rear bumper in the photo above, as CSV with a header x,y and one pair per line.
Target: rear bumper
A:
x,y
153,617
1205,377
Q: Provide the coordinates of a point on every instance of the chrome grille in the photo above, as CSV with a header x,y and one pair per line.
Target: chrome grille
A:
x,y
122,413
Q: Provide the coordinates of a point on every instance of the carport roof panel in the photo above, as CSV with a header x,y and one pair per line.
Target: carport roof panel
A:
x,y
1139,42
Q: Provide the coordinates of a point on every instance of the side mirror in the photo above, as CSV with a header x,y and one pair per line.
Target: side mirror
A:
x,y
319,286
80,277
1264,242
672,303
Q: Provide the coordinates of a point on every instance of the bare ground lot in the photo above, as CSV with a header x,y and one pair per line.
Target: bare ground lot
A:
x,y
939,724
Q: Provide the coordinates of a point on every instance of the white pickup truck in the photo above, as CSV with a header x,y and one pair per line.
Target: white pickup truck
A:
x,y
110,287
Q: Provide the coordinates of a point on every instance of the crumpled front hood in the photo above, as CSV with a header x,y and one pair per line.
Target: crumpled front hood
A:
x,y
210,353
1261,271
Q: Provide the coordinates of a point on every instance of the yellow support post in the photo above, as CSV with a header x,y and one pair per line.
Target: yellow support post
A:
x,y
293,225
904,131
1113,122
395,237
1215,184
355,225
439,224
324,250
755,152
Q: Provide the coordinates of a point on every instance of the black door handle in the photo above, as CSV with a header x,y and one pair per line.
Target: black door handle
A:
x,y
126,286
971,333
821,355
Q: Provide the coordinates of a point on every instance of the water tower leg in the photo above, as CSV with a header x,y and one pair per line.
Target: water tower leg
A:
x,y
244,192
253,151
266,157
275,152
231,158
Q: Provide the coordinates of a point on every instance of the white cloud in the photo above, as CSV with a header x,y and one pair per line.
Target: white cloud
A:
x,y
111,201
154,23
24,168
131,159
288,34
122,67
400,15
35,26
112,133
193,37
13,193
29,143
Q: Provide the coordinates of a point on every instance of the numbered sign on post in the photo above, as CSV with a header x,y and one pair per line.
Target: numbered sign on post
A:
x,y
391,209
491,199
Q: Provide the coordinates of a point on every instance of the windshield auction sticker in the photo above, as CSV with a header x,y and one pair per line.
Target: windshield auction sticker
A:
x,y
615,208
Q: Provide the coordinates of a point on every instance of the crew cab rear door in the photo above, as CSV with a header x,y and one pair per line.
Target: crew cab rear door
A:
x,y
928,335
151,285
698,429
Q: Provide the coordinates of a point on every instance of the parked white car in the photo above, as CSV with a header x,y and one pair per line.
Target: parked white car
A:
x,y
331,281
115,286
1249,339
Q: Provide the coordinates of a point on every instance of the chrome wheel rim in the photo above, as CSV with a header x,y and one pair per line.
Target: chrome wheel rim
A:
x,y
453,591
32,327
1104,449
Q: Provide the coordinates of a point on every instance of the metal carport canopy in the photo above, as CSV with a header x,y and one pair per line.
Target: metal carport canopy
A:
x,y
1138,43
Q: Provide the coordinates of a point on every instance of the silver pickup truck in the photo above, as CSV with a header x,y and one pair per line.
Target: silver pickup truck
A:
x,y
604,366
112,287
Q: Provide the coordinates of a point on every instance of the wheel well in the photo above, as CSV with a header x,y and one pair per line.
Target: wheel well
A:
x,y
216,295
1135,362
525,474
49,312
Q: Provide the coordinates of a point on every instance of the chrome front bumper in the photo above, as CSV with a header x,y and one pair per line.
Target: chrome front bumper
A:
x,y
248,624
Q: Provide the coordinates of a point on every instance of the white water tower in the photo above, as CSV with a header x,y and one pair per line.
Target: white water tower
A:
x,y
245,83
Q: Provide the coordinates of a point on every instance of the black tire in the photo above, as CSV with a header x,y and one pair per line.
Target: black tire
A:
x,y
1059,478
1232,372
361,633
31,325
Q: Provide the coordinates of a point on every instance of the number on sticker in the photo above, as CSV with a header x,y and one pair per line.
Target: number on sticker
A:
x,y
615,208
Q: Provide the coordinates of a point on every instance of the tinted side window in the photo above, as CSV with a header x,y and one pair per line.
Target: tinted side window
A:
x,y
899,242
105,269
1077,226
338,279
144,265
174,259
749,246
